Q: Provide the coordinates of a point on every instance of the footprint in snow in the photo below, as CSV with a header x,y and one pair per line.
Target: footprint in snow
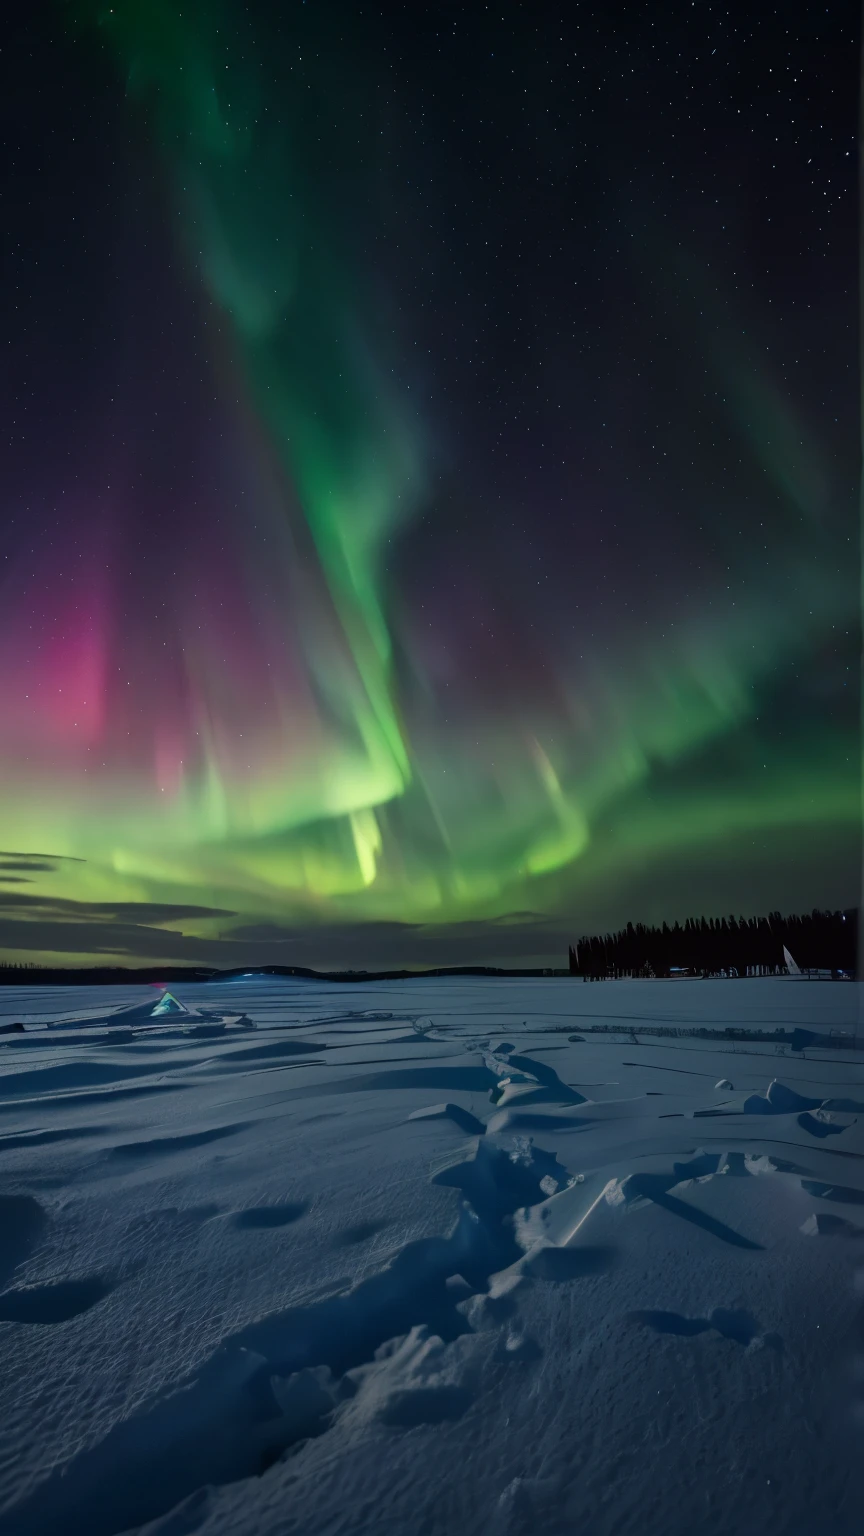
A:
x,y
22,1222
259,1217
730,1322
359,1233
819,1126
57,1303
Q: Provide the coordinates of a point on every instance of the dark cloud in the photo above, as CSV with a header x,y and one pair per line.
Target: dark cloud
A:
x,y
152,912
527,940
780,876
126,931
53,858
131,933
122,941
28,864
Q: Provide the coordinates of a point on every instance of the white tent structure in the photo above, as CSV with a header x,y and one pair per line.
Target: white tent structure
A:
x,y
792,968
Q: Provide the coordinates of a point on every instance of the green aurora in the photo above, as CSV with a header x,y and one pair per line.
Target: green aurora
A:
x,y
313,772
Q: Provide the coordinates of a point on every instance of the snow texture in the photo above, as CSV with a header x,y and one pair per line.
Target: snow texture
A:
x,y
417,1258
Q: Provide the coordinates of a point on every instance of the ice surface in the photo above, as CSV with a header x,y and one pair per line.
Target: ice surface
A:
x,y
431,1257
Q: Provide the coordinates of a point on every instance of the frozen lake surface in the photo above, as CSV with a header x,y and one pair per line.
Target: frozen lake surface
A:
x,y
431,1257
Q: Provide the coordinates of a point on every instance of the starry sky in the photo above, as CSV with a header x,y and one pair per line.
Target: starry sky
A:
x,y
429,490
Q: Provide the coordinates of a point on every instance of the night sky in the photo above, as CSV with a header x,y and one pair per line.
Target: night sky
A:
x,y
429,476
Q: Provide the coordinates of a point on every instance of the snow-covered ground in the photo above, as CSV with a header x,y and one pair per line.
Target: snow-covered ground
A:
x,y
430,1258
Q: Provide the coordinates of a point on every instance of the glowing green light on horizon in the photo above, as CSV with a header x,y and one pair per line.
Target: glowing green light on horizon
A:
x,y
358,797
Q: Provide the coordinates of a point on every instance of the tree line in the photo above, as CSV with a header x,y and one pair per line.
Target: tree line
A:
x,y
716,946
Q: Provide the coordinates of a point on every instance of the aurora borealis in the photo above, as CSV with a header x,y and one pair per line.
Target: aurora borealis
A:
x,y
431,483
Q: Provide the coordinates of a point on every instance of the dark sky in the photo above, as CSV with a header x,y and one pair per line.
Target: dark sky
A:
x,y
430,477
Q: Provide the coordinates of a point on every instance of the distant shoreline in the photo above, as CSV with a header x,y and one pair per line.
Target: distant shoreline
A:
x,y
11,976
26,976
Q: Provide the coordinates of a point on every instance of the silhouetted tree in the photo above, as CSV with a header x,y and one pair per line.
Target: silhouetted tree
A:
x,y
715,946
